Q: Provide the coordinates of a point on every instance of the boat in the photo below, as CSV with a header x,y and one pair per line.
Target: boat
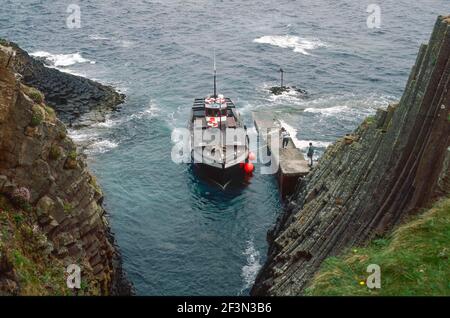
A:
x,y
219,140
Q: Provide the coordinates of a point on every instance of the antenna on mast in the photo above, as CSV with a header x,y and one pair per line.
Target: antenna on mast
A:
x,y
281,82
215,87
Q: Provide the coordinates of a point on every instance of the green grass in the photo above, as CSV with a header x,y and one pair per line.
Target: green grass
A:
x,y
369,120
93,182
414,260
50,114
35,95
55,152
36,273
37,117
62,134
72,155
68,208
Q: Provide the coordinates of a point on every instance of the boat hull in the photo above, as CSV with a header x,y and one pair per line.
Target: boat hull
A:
x,y
222,176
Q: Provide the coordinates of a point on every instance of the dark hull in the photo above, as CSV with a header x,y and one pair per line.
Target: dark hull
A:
x,y
222,177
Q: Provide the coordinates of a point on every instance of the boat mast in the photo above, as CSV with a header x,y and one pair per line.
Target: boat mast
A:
x,y
220,106
215,88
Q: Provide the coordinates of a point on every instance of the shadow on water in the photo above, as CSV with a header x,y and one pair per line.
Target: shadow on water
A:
x,y
214,189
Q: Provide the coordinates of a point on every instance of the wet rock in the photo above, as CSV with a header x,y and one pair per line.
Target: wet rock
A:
x,y
278,90
71,96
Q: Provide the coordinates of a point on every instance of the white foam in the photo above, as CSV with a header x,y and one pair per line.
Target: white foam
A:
x,y
97,37
80,136
125,43
342,106
62,60
328,111
152,110
108,123
72,72
298,44
290,96
251,268
90,140
304,144
101,146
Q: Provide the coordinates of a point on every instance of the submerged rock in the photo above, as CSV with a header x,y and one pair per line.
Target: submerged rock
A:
x,y
278,90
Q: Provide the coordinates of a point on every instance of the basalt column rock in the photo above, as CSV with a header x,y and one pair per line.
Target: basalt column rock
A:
x,y
64,199
394,164
70,95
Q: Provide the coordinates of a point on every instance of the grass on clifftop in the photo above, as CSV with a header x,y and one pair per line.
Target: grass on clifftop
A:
x,y
414,260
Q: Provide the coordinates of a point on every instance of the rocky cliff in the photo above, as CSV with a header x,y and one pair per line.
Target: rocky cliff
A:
x,y
393,164
51,211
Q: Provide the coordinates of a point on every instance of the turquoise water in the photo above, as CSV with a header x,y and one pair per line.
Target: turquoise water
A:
x,y
179,235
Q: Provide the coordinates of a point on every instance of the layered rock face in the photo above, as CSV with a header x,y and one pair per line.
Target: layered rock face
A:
x,y
71,96
65,203
391,166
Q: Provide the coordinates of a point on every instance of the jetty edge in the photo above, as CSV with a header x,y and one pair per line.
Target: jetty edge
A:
x,y
290,162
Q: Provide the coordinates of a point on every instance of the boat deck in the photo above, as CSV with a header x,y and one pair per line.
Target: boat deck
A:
x,y
198,114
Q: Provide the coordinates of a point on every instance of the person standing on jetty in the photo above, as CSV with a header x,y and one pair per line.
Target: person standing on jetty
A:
x,y
285,135
310,154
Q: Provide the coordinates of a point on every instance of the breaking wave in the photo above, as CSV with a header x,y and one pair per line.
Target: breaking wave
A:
x,y
328,105
251,268
90,141
298,44
300,143
101,146
152,110
97,37
328,111
61,60
81,136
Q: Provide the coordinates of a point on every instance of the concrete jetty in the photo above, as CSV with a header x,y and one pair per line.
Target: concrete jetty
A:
x,y
292,165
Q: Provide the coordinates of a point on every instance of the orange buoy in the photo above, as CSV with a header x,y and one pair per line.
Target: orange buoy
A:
x,y
248,167
251,156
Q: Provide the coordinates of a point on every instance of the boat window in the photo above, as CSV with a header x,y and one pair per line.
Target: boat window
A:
x,y
224,112
212,112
